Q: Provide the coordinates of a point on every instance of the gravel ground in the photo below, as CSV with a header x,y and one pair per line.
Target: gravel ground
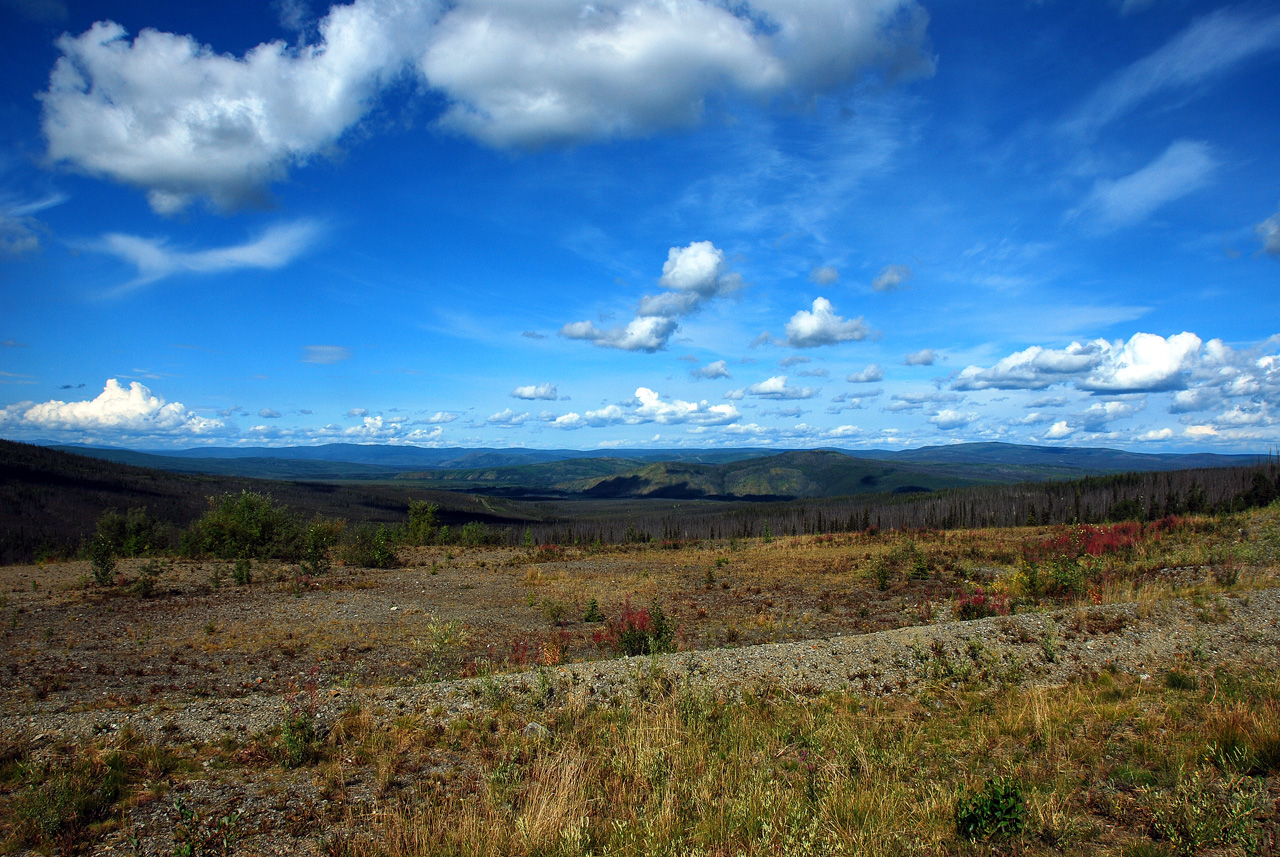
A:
x,y
1038,648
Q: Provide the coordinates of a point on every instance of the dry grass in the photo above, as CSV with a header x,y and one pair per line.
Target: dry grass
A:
x,y
1102,766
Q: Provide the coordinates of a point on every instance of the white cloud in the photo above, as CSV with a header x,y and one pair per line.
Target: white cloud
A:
x,y
507,418
1146,363
1209,47
644,333
1155,435
823,327
269,414
179,120
793,360
1099,416
441,417
536,392
775,388
1032,369
325,355
923,357
1184,167
134,411
948,419
531,73
1269,234
870,375
19,231
824,275
1059,430
891,278
693,275
357,413
651,408
274,249
718,369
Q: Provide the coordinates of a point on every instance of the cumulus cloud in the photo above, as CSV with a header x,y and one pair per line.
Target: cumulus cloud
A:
x,y
507,418
441,417
269,414
536,391
155,260
1146,363
821,326
645,333
1100,415
1032,369
530,73
325,355
1211,46
651,408
357,413
891,278
179,120
1184,167
1269,234
132,411
870,375
692,276
824,275
1059,430
923,357
793,360
648,406
718,369
948,419
775,388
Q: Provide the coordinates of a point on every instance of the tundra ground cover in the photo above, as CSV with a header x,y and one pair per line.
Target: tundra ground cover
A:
x,y
483,785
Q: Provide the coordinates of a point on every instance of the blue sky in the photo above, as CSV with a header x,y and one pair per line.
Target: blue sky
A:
x,y
552,223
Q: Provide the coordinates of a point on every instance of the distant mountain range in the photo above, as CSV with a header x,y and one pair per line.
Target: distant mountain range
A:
x,y
667,473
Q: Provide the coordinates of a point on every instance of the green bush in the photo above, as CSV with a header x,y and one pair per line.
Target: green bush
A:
x,y
424,523
133,534
996,810
474,534
102,560
638,631
246,525
593,613
370,547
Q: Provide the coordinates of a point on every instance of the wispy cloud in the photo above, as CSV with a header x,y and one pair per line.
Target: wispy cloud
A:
x,y
1209,47
325,355
156,260
1184,167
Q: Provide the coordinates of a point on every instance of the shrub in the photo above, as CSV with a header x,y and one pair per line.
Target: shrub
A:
x,y
370,547
1199,814
979,605
641,631
102,559
424,523
593,613
247,524
299,743
133,534
553,611
243,574
474,534
996,810
59,804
